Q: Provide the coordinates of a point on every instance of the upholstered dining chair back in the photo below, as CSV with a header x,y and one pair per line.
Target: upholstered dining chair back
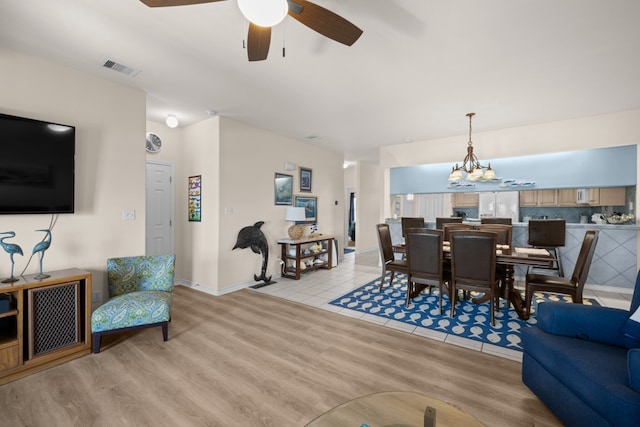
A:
x,y
494,220
410,222
389,261
385,242
473,265
504,233
547,232
424,253
583,263
440,221
424,260
448,227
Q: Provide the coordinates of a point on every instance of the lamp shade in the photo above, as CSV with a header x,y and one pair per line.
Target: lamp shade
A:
x,y
295,214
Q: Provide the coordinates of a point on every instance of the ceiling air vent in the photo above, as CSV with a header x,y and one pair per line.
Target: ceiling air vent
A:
x,y
113,65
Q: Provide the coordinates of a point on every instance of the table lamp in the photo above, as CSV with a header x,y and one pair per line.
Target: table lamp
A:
x,y
295,214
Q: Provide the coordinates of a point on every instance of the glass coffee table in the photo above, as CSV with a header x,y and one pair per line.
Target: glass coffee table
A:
x,y
394,409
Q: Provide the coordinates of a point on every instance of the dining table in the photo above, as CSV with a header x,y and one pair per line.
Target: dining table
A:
x,y
508,257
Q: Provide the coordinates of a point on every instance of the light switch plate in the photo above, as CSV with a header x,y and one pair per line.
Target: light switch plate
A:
x,y
128,214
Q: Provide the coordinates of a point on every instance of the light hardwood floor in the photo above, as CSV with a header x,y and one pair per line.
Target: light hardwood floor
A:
x,y
251,359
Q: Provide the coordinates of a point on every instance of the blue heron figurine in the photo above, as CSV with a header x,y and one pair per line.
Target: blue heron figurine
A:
x,y
41,247
11,249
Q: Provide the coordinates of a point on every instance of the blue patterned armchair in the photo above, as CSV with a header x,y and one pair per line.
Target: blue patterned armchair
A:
x,y
140,296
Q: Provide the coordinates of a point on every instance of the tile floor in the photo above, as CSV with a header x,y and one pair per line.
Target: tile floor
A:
x,y
319,287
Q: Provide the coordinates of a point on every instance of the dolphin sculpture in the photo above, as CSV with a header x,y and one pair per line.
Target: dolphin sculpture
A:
x,y
251,236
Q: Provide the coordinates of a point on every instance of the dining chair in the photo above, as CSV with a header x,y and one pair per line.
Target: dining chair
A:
x,y
504,232
410,222
504,236
548,234
424,262
440,221
448,227
493,220
389,261
561,285
473,265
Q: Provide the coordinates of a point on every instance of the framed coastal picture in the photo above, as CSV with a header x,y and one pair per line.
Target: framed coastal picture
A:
x,y
310,205
305,179
195,197
283,189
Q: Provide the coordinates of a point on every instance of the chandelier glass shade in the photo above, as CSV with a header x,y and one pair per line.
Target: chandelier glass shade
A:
x,y
471,165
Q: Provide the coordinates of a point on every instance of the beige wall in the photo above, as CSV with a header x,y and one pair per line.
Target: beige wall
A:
x,y
607,130
237,163
110,157
369,188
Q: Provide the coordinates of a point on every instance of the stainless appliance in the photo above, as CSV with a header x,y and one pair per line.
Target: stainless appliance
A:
x,y
500,204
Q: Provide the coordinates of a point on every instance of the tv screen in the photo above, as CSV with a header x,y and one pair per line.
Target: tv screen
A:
x,y
37,162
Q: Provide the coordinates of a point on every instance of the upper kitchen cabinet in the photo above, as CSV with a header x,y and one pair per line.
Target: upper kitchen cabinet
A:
x,y
614,196
464,200
568,197
539,198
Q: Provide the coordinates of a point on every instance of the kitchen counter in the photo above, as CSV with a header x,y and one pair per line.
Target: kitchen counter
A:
x,y
615,262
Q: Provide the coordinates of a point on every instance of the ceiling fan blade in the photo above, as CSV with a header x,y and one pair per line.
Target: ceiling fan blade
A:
x,y
258,42
165,3
324,21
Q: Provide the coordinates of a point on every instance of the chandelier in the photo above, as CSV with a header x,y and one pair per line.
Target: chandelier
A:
x,y
471,165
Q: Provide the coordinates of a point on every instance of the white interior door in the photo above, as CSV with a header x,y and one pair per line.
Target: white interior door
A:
x,y
160,215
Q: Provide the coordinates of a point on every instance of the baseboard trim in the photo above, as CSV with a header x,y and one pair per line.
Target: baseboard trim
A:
x,y
214,292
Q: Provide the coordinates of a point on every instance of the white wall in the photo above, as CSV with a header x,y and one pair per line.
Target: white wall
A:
x,y
110,165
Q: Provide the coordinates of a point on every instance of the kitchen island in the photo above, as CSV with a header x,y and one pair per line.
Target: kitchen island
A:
x,y
615,262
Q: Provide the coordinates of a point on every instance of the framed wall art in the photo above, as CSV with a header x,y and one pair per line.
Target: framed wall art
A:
x,y
283,189
195,198
310,205
305,179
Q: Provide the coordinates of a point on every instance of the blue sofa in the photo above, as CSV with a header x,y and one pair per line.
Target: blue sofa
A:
x,y
581,363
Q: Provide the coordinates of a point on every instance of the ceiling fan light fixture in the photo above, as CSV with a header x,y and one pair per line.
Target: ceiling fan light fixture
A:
x,y
265,13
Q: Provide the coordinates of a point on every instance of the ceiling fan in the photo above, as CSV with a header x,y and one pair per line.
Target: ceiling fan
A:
x,y
310,14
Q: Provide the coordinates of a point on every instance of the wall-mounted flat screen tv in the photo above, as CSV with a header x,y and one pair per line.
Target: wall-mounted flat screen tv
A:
x,y
37,166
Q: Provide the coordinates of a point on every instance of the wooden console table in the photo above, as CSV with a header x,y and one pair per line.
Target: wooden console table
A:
x,y
303,253
48,322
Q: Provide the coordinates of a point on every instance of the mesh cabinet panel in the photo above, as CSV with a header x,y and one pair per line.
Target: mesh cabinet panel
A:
x,y
54,317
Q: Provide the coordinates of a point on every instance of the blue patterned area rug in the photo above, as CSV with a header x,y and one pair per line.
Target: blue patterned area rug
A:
x,y
472,321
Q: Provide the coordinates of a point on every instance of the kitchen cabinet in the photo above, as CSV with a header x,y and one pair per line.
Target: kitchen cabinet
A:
x,y
539,198
614,196
529,198
547,197
465,200
568,197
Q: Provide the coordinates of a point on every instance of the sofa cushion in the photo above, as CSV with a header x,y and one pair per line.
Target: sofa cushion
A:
x,y
597,373
632,326
132,309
